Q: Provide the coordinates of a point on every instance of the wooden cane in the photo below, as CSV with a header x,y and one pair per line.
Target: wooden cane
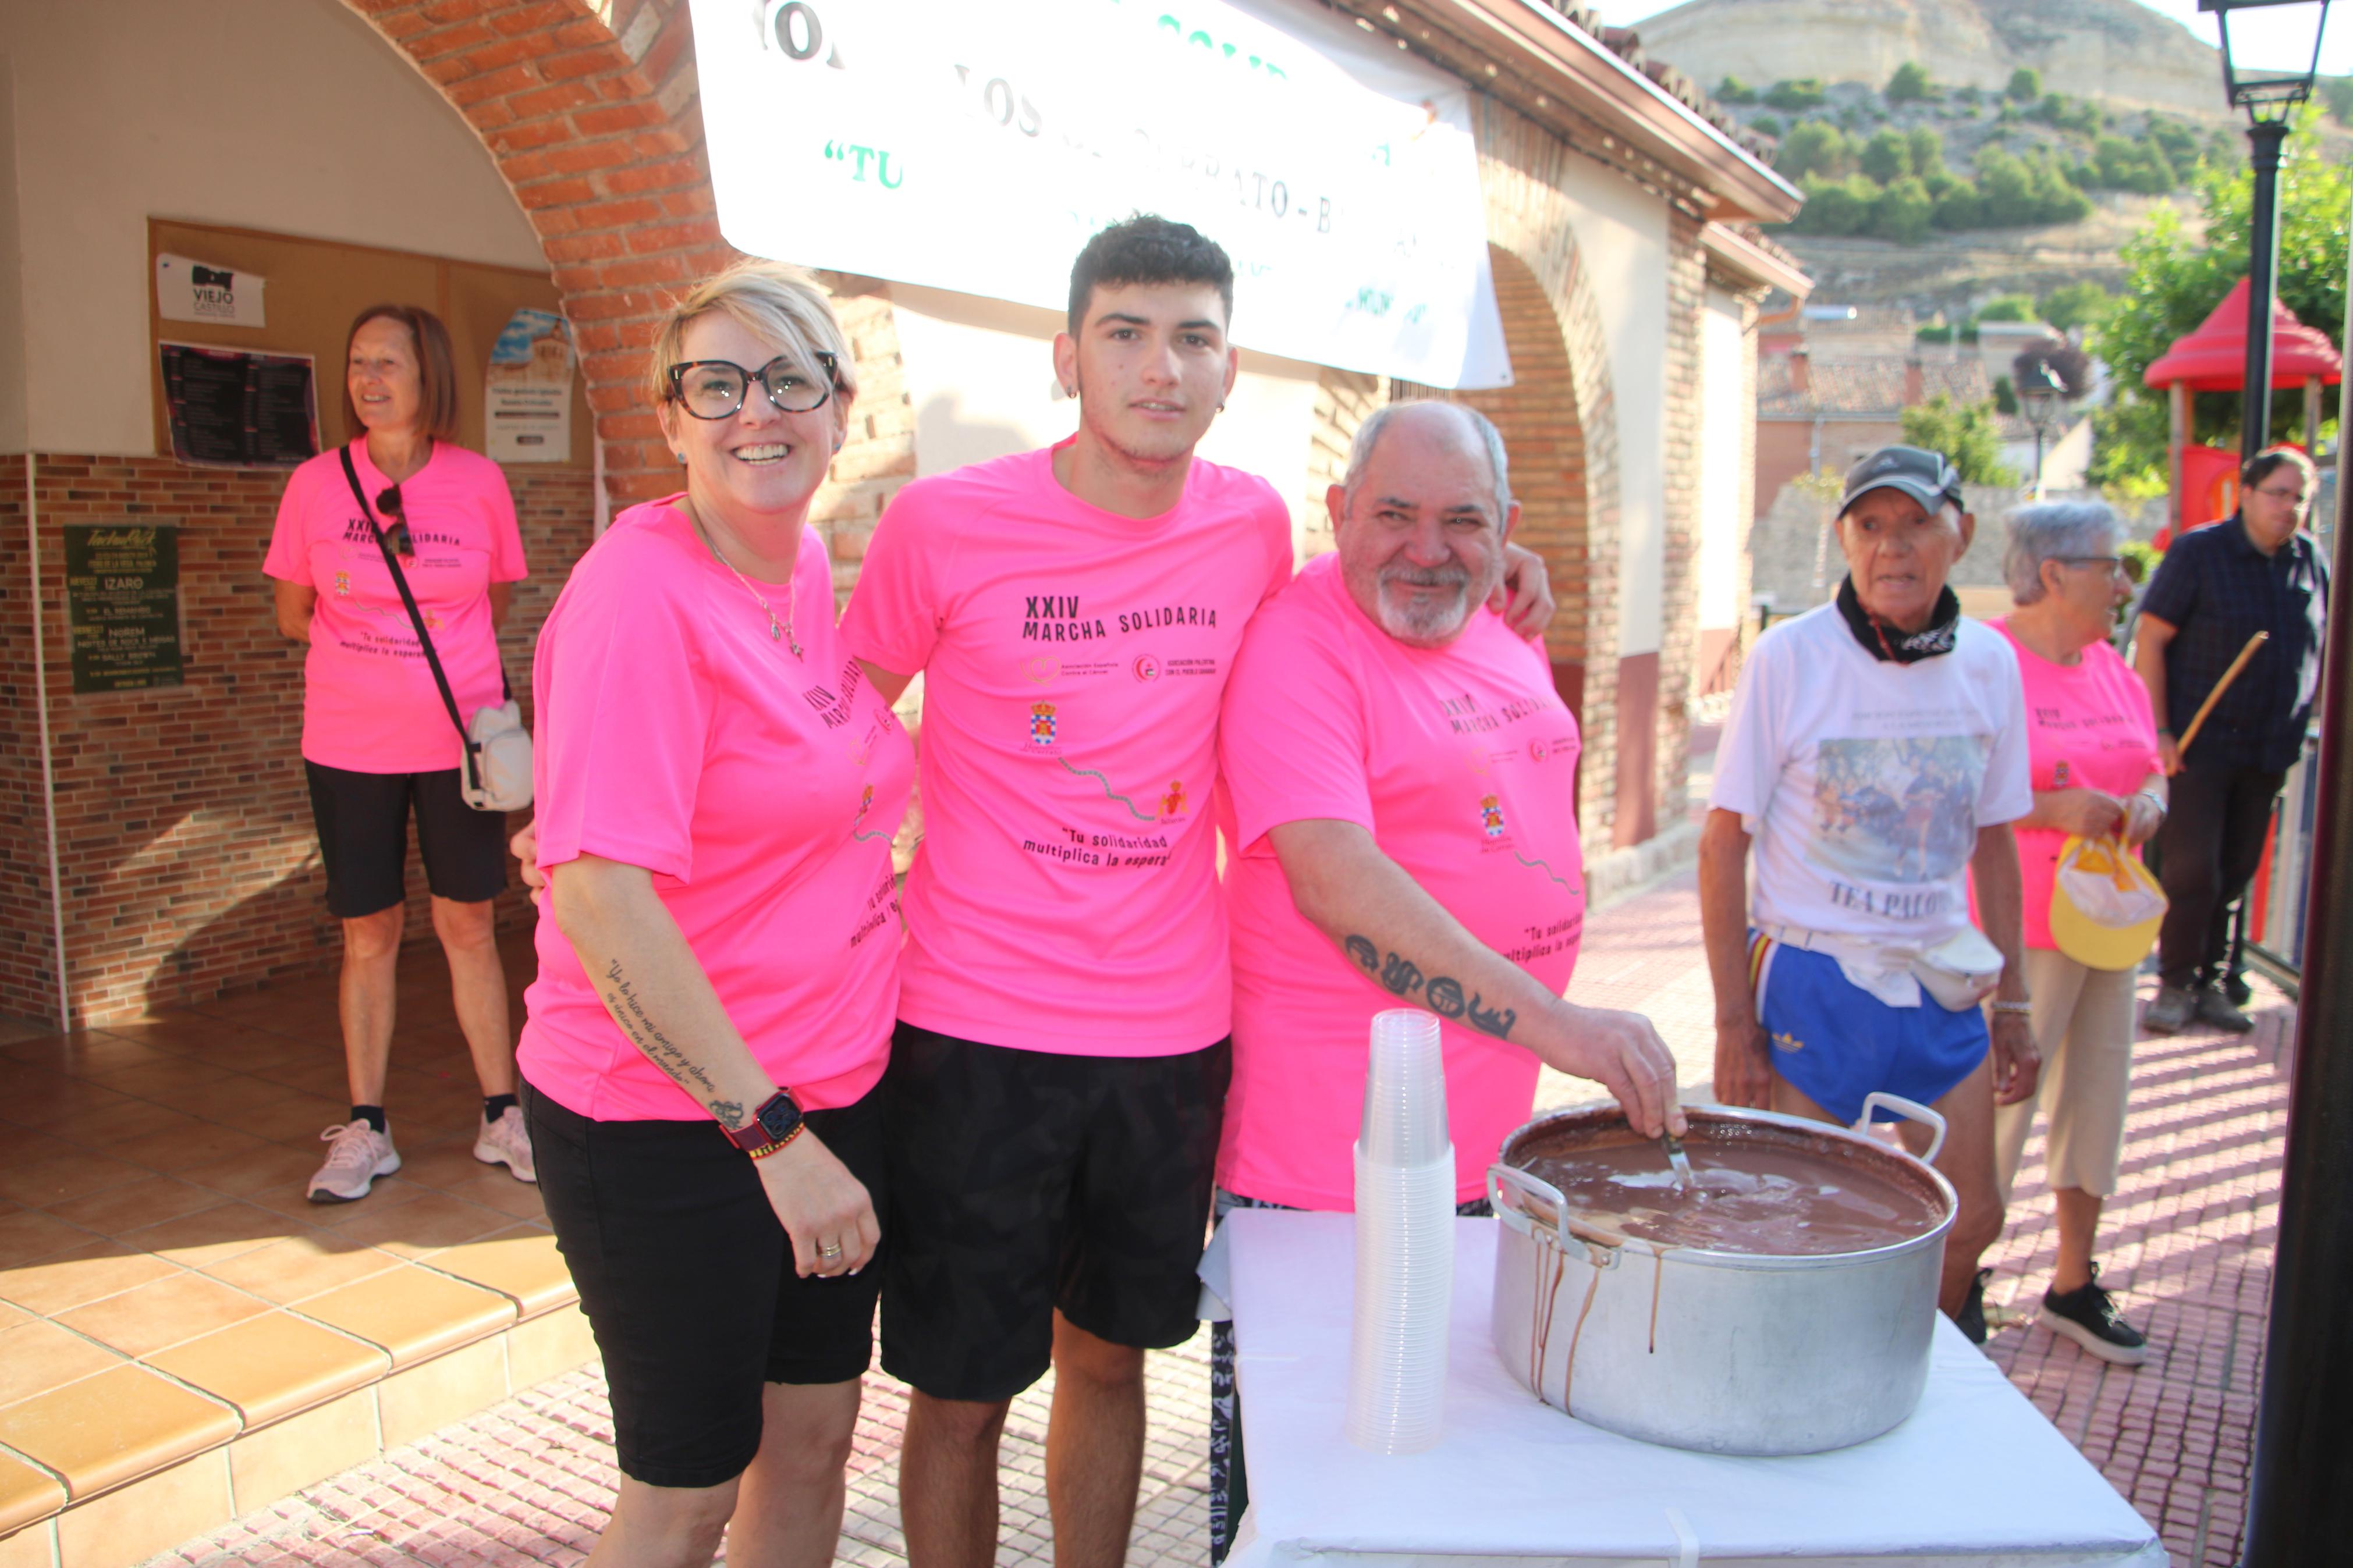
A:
x,y
2221,686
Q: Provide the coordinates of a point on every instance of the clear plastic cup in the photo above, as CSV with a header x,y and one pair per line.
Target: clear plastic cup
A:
x,y
1403,1299
1404,1120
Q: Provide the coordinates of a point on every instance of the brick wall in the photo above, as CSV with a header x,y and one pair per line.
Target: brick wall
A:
x,y
28,970
1344,398
1522,170
189,862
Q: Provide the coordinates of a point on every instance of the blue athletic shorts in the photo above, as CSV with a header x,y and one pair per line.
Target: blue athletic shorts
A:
x,y
1837,1042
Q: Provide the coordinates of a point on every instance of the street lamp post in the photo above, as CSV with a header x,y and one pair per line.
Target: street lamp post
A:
x,y
2300,1487
2268,95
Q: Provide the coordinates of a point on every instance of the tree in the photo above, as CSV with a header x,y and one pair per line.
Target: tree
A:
x,y
2177,271
1959,206
1910,84
1902,212
1765,125
1813,147
2007,307
2073,305
1836,207
1928,151
2025,85
2005,396
1966,433
1732,89
1794,97
1886,157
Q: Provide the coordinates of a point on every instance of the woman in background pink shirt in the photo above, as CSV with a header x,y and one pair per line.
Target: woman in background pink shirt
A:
x,y
378,740
2092,745
718,785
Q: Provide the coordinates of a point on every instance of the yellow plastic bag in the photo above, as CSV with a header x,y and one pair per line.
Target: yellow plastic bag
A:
x,y
2105,905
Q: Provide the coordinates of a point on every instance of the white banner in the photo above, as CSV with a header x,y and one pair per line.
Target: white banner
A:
x,y
975,148
527,391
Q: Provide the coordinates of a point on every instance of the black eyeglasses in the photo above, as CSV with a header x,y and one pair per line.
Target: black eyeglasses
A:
x,y
715,389
388,501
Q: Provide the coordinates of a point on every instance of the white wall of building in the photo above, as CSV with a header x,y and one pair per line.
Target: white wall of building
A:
x,y
287,115
1621,239
1726,413
980,373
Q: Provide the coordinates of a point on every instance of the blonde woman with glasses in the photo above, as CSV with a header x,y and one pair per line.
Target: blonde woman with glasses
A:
x,y
718,949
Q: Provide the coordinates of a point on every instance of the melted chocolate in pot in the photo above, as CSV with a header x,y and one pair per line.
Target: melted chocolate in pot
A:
x,y
1753,1198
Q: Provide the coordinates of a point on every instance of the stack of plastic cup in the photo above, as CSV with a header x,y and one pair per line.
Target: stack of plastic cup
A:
x,y
1405,1242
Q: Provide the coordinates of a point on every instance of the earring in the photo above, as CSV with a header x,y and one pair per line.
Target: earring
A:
x,y
680,456
1221,408
836,443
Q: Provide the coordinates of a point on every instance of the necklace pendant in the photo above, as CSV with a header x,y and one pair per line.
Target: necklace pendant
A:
x,y
776,632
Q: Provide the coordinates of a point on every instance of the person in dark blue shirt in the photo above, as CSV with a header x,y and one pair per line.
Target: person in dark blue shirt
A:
x,y
2257,571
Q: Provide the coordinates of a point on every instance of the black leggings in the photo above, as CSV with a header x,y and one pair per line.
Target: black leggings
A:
x,y
2208,850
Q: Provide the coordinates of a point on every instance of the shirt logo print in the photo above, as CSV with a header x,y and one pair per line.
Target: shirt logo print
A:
x,y
1491,816
1041,724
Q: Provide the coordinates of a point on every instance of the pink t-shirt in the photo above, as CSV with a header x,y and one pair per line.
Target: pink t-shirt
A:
x,y
2087,727
1462,762
1064,898
369,704
760,789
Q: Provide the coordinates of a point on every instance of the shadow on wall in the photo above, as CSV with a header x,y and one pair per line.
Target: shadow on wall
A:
x,y
947,437
284,930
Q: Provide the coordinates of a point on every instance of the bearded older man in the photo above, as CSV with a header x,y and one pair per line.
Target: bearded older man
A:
x,y
1403,785
1875,758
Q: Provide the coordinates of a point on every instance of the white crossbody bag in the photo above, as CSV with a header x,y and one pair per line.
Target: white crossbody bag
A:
x,y
497,746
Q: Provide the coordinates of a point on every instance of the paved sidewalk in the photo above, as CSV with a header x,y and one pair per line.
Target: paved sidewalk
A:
x,y
2187,1242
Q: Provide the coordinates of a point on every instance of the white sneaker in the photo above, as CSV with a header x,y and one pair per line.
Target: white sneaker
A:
x,y
356,1155
505,1142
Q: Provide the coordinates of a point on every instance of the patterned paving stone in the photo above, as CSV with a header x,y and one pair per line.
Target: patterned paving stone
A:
x,y
2187,1242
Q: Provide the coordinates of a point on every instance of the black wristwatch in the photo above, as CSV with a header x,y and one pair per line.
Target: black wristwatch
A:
x,y
775,1123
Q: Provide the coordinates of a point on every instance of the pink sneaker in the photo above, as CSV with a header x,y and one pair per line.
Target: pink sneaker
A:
x,y
504,1142
356,1155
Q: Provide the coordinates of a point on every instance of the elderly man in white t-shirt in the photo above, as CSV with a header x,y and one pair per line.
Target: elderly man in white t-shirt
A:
x,y
1875,758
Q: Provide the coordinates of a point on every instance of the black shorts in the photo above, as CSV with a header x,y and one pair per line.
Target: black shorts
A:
x,y
363,820
1027,1182
688,1281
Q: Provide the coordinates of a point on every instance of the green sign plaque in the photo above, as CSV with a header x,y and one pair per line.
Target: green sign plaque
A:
x,y
123,605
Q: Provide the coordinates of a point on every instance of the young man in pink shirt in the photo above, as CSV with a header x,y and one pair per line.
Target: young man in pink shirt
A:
x,y
1061,1066
1403,778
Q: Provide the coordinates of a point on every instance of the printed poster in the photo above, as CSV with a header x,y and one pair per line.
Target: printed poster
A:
x,y
527,392
237,408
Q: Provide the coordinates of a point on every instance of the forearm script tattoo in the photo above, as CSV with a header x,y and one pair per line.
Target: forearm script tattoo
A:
x,y
1442,994
621,1002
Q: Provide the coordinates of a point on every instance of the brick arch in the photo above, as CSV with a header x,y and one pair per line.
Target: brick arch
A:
x,y
590,109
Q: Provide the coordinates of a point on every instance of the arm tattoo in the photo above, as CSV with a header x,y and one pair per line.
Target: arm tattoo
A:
x,y
621,1002
1442,994
729,1111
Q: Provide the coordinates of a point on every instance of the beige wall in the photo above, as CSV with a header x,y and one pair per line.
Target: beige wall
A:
x,y
1723,453
1621,239
288,115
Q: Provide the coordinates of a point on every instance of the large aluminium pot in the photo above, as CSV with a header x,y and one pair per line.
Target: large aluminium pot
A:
x,y
1722,1351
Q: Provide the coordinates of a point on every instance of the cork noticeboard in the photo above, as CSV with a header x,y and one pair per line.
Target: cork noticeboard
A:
x,y
317,286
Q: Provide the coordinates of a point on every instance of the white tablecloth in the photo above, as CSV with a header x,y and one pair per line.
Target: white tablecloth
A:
x,y
1977,1476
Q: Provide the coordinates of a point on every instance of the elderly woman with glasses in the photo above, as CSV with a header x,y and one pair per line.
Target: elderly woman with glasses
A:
x,y
378,742
2097,773
717,788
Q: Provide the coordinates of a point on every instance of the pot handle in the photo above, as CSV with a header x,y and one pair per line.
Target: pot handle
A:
x,y
1514,1212
1911,1109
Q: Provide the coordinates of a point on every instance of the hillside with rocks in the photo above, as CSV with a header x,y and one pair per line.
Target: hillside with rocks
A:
x,y
1956,153
2122,53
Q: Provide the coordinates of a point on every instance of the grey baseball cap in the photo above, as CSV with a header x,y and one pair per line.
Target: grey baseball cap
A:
x,y
1923,475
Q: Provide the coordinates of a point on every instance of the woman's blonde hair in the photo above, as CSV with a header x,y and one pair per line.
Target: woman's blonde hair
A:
x,y
780,303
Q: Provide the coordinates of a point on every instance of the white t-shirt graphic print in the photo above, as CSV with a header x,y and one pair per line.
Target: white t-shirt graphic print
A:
x,y
1864,781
